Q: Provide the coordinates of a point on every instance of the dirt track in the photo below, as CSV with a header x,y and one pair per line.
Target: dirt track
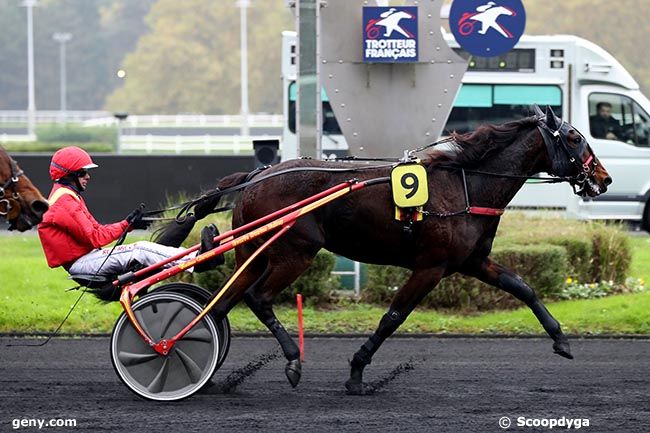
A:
x,y
425,385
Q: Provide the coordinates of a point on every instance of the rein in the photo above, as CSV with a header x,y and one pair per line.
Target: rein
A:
x,y
186,206
409,156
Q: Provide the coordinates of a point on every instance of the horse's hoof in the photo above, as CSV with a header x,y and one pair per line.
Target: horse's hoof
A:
x,y
354,388
562,348
293,370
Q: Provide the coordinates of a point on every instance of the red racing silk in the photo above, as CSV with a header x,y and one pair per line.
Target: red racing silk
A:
x,y
69,231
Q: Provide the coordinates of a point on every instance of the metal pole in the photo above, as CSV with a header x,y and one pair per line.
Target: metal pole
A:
x,y
31,105
243,12
62,38
119,137
308,103
357,279
120,117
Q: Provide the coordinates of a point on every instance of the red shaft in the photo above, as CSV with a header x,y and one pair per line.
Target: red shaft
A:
x,y
301,332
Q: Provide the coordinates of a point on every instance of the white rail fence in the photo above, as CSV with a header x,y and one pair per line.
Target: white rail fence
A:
x,y
41,116
105,118
201,120
19,138
222,144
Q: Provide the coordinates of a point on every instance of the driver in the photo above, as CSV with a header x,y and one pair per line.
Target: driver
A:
x,y
72,238
603,125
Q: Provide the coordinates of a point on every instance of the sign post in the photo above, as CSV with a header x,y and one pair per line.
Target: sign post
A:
x,y
389,74
308,101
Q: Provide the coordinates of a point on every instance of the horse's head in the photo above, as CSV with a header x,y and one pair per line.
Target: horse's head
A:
x,y
21,204
571,156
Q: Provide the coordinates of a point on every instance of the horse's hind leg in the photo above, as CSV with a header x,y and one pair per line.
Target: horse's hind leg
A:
x,y
421,282
259,299
496,275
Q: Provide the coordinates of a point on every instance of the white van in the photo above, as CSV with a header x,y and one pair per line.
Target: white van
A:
x,y
574,77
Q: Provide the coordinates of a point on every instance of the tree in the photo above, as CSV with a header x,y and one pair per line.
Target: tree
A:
x,y
619,27
190,60
103,31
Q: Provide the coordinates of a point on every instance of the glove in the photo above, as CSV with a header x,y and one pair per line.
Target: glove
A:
x,y
135,219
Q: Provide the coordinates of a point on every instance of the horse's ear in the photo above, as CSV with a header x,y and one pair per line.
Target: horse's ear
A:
x,y
538,111
551,119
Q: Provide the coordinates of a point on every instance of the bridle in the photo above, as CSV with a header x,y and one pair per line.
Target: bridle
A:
x,y
5,201
566,160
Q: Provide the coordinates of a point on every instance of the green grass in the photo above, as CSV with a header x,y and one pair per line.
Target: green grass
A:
x,y
33,299
640,267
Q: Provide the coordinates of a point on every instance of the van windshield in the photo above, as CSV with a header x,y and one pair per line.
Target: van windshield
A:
x,y
477,104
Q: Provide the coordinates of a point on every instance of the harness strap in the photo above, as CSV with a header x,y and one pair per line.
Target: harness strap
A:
x,y
60,193
489,211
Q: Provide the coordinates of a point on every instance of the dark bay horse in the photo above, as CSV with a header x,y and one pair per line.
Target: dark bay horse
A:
x,y
361,226
21,204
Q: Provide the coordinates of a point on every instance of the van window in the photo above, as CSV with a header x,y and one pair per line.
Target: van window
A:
x,y
618,117
477,104
330,124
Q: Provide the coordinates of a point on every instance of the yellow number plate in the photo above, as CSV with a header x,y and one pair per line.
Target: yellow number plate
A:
x,y
409,184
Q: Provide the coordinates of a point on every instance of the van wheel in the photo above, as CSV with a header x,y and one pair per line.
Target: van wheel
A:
x,y
645,223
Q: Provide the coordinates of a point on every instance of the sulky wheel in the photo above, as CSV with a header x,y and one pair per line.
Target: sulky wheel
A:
x,y
201,295
190,363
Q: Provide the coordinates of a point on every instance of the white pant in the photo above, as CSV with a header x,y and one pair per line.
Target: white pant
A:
x,y
144,252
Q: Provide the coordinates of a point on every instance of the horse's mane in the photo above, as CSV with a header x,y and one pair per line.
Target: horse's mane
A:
x,y
469,149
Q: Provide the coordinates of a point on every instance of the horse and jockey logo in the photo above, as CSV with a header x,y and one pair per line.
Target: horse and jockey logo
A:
x,y
390,34
487,29
390,21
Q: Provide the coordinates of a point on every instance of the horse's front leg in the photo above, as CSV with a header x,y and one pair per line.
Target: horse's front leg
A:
x,y
261,305
421,282
278,274
496,275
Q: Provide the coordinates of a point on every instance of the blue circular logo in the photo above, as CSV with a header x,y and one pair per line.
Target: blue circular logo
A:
x,y
487,28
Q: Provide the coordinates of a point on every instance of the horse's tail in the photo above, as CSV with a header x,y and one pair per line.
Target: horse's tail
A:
x,y
174,233
207,205
232,180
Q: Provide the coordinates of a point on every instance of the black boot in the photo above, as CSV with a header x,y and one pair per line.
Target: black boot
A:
x,y
207,243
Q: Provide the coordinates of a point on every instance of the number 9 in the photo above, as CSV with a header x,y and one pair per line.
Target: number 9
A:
x,y
410,182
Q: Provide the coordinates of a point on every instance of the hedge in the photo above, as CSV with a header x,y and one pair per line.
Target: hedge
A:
x,y
597,250
51,138
545,252
612,256
316,284
51,147
71,133
542,266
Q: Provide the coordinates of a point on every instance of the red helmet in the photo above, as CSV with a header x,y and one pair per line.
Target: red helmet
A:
x,y
68,160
